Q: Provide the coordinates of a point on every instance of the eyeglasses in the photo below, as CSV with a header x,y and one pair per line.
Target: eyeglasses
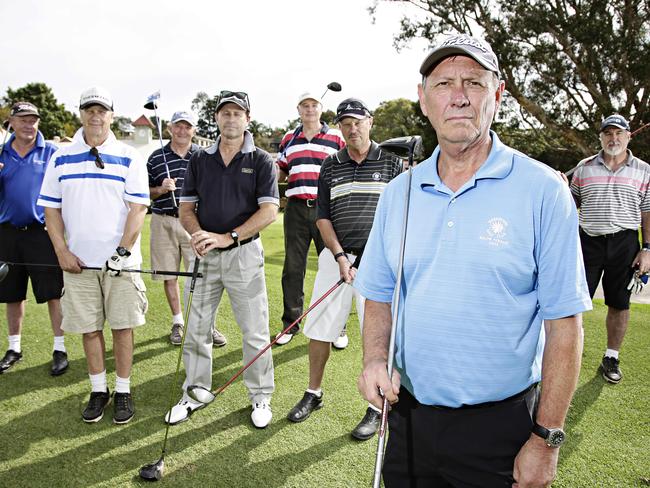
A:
x,y
98,160
230,94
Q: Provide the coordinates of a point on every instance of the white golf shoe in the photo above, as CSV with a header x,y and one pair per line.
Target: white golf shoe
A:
x,y
261,415
182,411
341,341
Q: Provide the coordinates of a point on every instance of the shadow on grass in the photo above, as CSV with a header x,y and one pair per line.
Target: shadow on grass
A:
x,y
584,397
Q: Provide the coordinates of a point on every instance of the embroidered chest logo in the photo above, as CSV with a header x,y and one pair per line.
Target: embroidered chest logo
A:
x,y
496,233
247,170
376,176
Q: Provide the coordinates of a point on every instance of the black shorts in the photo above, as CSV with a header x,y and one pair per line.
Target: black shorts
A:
x,y
29,245
610,257
456,447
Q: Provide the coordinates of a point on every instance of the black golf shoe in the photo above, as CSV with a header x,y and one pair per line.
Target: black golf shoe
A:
x,y
305,407
59,363
368,425
95,409
611,371
123,408
11,358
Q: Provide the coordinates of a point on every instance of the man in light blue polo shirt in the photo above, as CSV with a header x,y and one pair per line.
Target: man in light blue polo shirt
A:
x,y
492,250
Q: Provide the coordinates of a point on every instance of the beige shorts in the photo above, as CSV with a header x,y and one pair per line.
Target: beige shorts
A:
x,y
169,242
93,297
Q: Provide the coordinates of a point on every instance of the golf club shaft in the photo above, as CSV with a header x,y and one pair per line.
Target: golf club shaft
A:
x,y
162,150
381,438
95,268
325,92
195,275
268,346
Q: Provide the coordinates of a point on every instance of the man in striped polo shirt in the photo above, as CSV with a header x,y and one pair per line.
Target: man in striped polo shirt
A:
x,y
611,190
301,153
349,187
169,240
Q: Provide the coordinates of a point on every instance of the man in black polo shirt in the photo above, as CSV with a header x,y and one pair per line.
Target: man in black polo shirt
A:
x,y
229,195
169,240
349,187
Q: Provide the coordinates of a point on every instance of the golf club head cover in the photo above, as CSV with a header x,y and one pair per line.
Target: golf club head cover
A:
x,y
637,282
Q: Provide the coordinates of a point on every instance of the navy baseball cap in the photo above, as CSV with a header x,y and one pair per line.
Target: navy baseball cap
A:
x,y
616,121
479,50
184,116
21,109
351,107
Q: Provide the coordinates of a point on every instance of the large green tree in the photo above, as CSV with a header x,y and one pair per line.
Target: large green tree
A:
x,y
567,63
402,117
55,119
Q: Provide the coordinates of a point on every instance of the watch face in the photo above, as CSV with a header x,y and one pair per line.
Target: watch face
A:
x,y
556,437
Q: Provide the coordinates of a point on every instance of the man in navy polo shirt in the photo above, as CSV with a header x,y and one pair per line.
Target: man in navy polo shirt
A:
x,y
169,240
229,195
491,253
23,238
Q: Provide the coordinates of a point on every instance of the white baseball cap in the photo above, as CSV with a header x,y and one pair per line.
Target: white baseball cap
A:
x,y
96,95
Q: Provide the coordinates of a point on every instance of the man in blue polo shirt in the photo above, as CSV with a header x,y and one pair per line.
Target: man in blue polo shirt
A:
x,y
23,238
491,253
229,195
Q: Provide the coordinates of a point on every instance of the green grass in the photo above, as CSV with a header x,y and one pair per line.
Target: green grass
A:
x,y
45,443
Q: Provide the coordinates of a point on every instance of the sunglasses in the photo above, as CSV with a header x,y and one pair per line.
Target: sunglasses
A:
x,y
229,94
98,160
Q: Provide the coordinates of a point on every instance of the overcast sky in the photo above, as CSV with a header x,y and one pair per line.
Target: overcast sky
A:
x,y
274,50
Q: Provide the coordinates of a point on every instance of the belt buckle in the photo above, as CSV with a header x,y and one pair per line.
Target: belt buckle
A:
x,y
310,202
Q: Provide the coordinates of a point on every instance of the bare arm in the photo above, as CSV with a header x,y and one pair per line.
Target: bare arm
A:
x,y
536,463
327,232
376,336
168,184
133,225
56,230
642,259
282,175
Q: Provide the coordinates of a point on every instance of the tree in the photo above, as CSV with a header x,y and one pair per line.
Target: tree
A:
x,y
55,119
206,107
402,117
567,64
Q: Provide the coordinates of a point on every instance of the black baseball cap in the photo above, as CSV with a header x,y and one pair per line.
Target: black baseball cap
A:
x,y
479,50
351,107
21,109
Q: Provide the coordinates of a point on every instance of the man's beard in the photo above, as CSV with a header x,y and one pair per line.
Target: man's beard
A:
x,y
613,150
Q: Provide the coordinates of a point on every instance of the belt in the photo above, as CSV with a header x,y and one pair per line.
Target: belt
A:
x,y
7,225
309,202
240,243
610,236
513,398
169,213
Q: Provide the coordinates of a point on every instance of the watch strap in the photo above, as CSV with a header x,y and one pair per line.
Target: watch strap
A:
x,y
338,255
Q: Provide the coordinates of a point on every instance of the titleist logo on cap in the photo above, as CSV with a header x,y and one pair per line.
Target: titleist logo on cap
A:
x,y
466,41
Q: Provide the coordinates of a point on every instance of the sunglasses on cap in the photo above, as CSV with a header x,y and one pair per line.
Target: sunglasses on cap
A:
x,y
230,94
98,160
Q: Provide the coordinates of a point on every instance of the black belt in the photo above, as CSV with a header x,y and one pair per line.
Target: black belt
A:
x,y
240,243
513,398
7,225
612,235
309,202
169,213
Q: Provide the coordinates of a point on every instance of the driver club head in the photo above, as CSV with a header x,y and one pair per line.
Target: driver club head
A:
x,y
153,471
334,86
404,147
152,105
200,394
4,269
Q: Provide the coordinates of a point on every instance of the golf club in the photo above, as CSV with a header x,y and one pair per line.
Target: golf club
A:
x,y
154,471
334,86
153,105
413,147
205,396
4,269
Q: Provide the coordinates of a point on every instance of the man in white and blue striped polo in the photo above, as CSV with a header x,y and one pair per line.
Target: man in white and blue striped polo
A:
x,y
169,241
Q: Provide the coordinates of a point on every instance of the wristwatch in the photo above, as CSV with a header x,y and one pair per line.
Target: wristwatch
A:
x,y
553,437
235,237
646,246
122,251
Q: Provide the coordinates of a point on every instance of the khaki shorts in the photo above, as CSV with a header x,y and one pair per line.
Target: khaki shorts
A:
x,y
93,297
169,242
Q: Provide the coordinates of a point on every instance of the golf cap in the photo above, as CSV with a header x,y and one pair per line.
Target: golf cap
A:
x,y
480,51
183,116
21,109
615,121
351,107
96,95
309,96
238,98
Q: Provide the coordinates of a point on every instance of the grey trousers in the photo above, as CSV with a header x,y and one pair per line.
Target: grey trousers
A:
x,y
240,272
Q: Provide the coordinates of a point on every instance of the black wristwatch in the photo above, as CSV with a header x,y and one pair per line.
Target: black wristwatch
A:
x,y
122,251
646,246
338,255
235,237
552,437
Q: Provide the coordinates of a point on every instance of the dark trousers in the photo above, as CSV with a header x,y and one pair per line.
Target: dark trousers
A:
x,y
299,230
460,447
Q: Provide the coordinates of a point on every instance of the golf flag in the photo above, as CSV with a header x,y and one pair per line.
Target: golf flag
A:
x,y
153,97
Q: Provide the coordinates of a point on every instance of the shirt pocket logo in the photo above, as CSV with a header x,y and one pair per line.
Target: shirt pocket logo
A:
x,y
247,170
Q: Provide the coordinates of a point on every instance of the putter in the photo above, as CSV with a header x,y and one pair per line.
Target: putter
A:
x,y
205,396
334,86
153,105
4,269
154,471
411,146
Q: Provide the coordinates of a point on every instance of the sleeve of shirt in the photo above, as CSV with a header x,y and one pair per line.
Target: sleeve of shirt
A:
x,y
575,184
51,194
152,181
375,279
282,162
189,192
136,187
266,189
645,191
562,288
324,195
